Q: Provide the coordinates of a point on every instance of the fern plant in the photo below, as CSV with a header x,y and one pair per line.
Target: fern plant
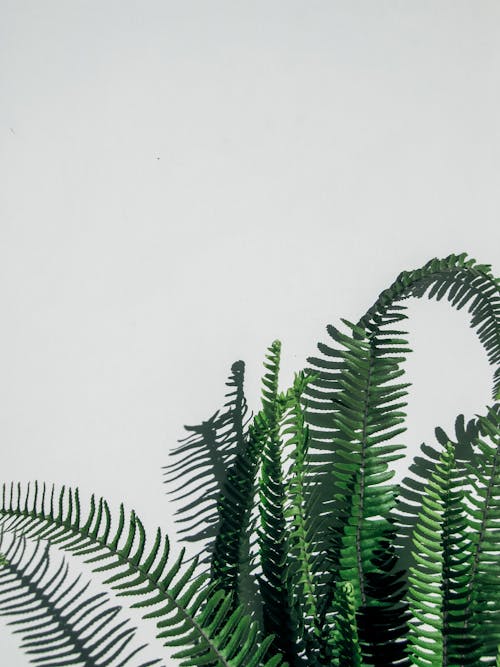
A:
x,y
312,554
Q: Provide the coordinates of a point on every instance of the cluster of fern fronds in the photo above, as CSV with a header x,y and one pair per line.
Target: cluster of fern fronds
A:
x,y
313,555
345,567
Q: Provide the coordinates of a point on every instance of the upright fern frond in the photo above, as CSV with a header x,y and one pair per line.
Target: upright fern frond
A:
x,y
345,642
473,512
329,411
412,487
187,611
302,525
275,582
438,581
336,421
362,551
483,501
55,618
270,382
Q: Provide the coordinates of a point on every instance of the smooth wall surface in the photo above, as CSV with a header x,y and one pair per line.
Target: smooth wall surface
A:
x,y
183,182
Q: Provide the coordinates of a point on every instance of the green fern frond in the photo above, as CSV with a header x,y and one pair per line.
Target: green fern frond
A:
x,y
187,611
456,277
476,469
301,522
330,412
346,651
275,582
333,526
270,384
463,282
483,505
54,617
361,550
412,487
438,581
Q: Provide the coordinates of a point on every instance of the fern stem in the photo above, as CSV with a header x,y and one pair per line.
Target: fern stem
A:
x,y
362,481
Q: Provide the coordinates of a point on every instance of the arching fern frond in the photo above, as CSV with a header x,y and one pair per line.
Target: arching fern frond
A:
x,y
458,278
54,617
463,282
186,612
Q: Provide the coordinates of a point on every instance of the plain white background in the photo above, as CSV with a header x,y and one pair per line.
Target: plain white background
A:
x,y
183,182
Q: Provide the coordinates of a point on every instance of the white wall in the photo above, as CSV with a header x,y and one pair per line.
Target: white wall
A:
x,y
183,182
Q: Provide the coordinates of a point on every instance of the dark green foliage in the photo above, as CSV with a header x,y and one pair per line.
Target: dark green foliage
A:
x,y
345,644
457,538
420,471
300,512
483,518
363,531
316,557
275,582
231,548
438,580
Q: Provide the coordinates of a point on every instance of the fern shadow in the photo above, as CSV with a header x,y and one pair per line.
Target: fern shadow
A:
x,y
197,476
59,625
